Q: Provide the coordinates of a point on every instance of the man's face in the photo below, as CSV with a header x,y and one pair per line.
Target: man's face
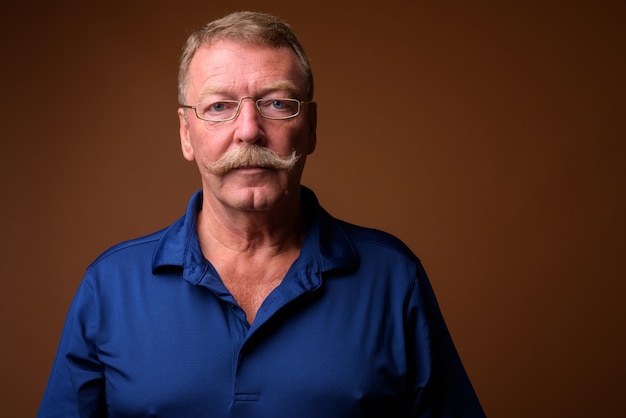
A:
x,y
228,70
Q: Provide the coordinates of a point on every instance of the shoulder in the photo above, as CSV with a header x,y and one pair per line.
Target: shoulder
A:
x,y
381,255
346,245
131,249
375,237
371,239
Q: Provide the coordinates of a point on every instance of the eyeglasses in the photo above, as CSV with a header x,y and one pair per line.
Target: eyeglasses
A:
x,y
225,110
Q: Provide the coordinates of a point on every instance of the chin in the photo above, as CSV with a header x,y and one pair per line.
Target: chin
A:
x,y
258,198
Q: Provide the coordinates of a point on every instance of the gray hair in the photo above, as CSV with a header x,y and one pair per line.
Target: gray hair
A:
x,y
247,27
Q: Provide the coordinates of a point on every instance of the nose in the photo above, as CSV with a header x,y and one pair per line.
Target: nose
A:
x,y
248,122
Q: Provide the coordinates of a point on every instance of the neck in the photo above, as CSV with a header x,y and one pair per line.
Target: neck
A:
x,y
250,233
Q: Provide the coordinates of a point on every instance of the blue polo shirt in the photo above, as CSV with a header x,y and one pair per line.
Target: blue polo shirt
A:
x,y
353,330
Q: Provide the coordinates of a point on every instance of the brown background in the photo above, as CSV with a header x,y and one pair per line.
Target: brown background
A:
x,y
489,136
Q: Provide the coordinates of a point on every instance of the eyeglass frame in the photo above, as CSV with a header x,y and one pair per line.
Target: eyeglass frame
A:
x,y
256,104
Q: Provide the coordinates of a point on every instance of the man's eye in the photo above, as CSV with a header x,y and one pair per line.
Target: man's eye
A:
x,y
278,104
217,107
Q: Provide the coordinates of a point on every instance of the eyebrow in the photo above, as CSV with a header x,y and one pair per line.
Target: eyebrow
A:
x,y
281,85
286,85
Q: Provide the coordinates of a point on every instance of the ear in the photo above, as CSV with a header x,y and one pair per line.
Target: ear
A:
x,y
185,139
312,122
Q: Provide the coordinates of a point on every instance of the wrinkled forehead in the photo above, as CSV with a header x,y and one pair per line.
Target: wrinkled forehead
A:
x,y
226,66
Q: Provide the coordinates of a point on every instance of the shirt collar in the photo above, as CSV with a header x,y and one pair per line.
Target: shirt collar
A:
x,y
326,246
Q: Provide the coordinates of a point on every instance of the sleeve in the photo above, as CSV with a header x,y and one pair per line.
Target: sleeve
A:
x,y
440,385
76,384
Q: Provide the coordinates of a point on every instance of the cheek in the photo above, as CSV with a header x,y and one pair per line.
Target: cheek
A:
x,y
296,137
207,146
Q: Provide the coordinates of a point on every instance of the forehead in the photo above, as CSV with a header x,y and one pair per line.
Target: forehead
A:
x,y
239,69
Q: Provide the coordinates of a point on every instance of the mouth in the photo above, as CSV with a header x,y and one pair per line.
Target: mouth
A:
x,y
251,167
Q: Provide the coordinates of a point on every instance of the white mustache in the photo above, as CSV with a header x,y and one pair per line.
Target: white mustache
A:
x,y
252,156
